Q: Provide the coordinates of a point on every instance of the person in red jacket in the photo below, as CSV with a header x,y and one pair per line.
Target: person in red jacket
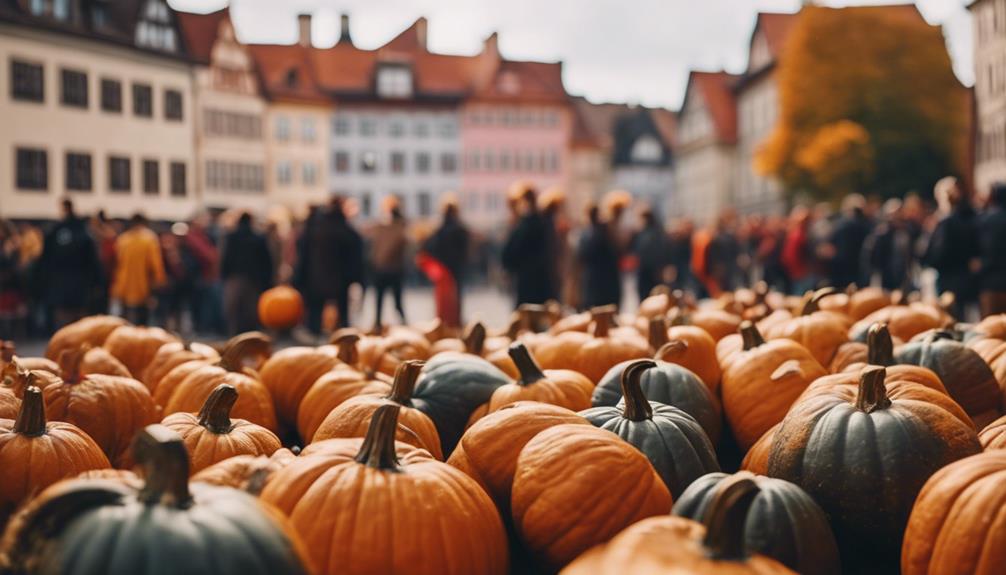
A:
x,y
797,251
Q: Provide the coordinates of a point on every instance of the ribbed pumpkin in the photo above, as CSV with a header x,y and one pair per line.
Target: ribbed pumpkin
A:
x,y
136,346
756,459
562,387
289,374
254,402
109,408
374,505
11,375
352,417
683,546
170,356
993,326
160,527
717,323
993,436
383,353
905,320
821,332
211,435
867,300
783,522
489,449
592,354
576,486
471,341
7,355
686,345
670,438
92,330
958,523
97,360
249,473
762,382
35,453
868,491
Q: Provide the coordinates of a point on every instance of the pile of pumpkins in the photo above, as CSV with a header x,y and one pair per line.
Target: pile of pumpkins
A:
x,y
852,431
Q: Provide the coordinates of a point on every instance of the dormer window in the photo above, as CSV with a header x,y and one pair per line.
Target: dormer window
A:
x,y
154,30
646,150
58,9
292,78
394,81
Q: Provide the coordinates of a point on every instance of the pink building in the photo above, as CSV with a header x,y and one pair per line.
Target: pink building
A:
x,y
516,125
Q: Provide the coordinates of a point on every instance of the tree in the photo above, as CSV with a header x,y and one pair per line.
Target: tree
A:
x,y
869,103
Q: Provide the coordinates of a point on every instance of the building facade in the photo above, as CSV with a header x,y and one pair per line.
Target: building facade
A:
x,y
989,25
96,102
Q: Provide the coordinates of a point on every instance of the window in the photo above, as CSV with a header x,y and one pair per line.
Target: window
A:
x,y
422,129
111,95
646,150
282,128
489,161
396,129
551,118
424,204
234,176
32,169
78,172
232,125
26,82
448,163
284,173
143,100
368,162
448,130
178,185
154,30
394,81
118,174
151,177
172,105
341,126
368,127
307,131
74,88
365,204
309,173
553,161
505,160
340,162
473,159
397,162
423,162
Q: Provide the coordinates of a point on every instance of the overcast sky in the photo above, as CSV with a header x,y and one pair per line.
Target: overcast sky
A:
x,y
636,51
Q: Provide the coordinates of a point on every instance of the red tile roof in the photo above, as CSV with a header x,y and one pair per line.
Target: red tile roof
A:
x,y
200,32
716,89
594,124
286,74
775,26
410,39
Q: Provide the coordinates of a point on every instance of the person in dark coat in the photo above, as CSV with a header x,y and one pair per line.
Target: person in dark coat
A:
x,y
527,253
679,256
329,261
246,269
597,253
723,254
890,250
847,238
69,269
992,236
953,246
449,246
651,248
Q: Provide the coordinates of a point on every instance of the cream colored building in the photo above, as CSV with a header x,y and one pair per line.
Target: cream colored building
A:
x,y
95,104
989,23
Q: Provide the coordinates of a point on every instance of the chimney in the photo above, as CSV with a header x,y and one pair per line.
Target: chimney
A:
x,y
421,33
344,30
304,30
491,46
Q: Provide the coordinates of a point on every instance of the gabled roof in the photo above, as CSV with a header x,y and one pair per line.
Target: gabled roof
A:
x,y
776,27
411,39
595,125
285,74
200,32
716,90
524,80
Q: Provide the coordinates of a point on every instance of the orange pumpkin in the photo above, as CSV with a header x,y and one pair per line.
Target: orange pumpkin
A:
x,y
756,459
595,353
170,356
717,323
7,355
867,300
280,307
994,435
689,346
560,470
350,501
249,473
562,387
472,341
290,372
98,360
904,319
821,332
136,346
211,436
92,330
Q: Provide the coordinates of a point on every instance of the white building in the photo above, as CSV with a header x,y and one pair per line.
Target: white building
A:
x,y
989,24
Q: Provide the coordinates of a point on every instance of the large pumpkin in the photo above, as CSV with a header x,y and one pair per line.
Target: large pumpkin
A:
x,y
248,472
562,387
92,330
35,453
756,459
170,356
163,526
375,505
821,332
670,438
576,486
993,436
783,522
683,546
592,354
136,346
957,526
762,382
109,408
290,372
280,307
352,417
868,491
211,435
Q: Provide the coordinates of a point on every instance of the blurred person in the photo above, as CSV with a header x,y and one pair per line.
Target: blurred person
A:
x,y
723,254
13,303
246,269
68,269
553,203
954,248
105,233
769,254
847,238
527,253
890,251
207,295
387,258
650,246
992,236
798,252
181,270
598,256
329,261
679,255
444,259
139,269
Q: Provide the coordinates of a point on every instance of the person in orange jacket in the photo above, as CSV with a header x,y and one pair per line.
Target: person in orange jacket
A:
x,y
139,269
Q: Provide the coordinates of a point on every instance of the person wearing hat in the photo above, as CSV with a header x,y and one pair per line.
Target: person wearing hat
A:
x,y
528,253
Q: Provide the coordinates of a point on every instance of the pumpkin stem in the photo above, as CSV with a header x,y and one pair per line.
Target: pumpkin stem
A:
x,y
938,334
515,325
31,419
475,338
879,347
872,395
6,351
751,336
760,292
671,348
215,415
346,340
637,408
378,449
530,371
404,383
603,318
657,332
814,300
69,363
242,346
165,462
726,517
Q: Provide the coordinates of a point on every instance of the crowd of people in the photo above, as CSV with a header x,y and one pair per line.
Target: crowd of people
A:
x,y
206,275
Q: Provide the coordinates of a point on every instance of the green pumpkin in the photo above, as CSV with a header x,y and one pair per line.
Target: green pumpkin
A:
x,y
163,527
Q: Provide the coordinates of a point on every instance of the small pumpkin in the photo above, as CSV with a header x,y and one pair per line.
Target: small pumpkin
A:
x,y
993,326
166,525
136,346
559,509
562,387
98,360
683,546
993,436
170,356
867,300
472,341
821,332
7,355
249,473
956,526
670,438
92,330
10,403
717,323
904,319
350,501
212,436
592,354
686,345
280,307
